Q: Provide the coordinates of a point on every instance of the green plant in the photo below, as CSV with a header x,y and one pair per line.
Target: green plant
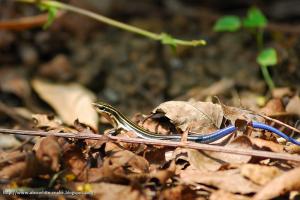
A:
x,y
52,6
255,21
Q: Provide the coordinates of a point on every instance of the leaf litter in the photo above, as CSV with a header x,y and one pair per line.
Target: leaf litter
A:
x,y
112,170
118,170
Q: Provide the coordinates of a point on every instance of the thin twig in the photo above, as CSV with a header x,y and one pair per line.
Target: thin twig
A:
x,y
279,122
191,145
159,37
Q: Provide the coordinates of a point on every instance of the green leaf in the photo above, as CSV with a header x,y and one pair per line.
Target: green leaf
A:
x,y
229,23
267,57
52,11
255,19
168,40
51,17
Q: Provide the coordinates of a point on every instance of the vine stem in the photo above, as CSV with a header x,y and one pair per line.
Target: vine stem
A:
x,y
112,22
267,77
182,144
259,38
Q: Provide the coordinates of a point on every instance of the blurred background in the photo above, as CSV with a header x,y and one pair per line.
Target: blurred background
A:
x,y
135,73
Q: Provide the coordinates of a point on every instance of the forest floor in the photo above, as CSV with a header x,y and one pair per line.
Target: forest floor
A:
x,y
50,78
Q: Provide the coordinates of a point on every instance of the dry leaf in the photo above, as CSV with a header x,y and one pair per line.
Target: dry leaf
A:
x,y
9,156
180,192
160,177
267,145
273,107
247,99
199,160
158,155
8,141
23,112
74,160
70,101
200,117
233,113
109,191
229,180
241,142
292,149
121,165
48,152
122,162
293,107
260,174
93,175
46,121
287,182
12,171
35,167
281,92
223,195
155,123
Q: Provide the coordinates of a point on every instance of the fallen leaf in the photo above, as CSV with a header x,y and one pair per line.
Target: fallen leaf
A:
x,y
11,156
12,171
293,107
267,145
211,161
45,121
121,166
93,175
249,100
35,167
48,152
282,92
223,195
70,101
126,161
200,117
161,176
233,113
158,155
273,107
179,192
287,182
199,160
110,191
260,174
241,142
23,112
75,161
228,180
156,123
292,149
8,141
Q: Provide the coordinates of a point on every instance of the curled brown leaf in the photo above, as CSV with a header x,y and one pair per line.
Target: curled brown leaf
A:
x,y
12,171
200,117
260,174
287,182
48,152
228,180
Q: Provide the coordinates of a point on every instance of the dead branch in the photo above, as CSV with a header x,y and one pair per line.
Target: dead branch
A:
x,y
191,145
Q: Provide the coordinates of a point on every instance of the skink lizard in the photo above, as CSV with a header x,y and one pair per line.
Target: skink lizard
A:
x,y
121,122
